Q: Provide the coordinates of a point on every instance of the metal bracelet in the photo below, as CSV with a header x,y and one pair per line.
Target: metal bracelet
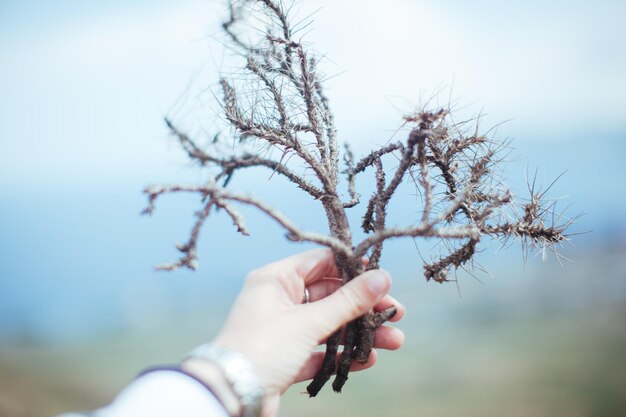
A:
x,y
239,374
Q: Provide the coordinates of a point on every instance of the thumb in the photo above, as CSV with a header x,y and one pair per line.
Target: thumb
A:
x,y
350,301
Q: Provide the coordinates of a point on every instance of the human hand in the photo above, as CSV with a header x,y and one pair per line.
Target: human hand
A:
x,y
271,327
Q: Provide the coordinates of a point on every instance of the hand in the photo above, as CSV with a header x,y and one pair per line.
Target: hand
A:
x,y
277,333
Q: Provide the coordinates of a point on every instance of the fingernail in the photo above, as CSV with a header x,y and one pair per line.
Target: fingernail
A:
x,y
378,282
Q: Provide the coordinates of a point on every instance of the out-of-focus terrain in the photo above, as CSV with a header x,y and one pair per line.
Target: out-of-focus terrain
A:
x,y
546,341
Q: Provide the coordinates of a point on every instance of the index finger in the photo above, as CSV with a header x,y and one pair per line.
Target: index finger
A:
x,y
312,265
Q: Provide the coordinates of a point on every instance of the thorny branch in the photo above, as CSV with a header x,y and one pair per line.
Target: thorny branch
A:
x,y
220,197
282,121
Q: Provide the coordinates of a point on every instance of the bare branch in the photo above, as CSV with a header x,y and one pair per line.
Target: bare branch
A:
x,y
438,271
380,213
281,119
276,93
274,136
236,217
230,165
422,230
349,160
228,24
331,133
220,195
374,155
424,181
189,249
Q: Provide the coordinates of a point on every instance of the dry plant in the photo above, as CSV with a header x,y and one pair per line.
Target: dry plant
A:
x,y
281,120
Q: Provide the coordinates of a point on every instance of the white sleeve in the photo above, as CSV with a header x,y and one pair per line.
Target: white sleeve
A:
x,y
163,393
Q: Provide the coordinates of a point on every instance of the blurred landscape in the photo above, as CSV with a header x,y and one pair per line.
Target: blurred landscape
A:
x,y
548,341
85,86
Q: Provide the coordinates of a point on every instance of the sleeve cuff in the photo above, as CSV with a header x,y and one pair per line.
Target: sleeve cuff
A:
x,y
165,392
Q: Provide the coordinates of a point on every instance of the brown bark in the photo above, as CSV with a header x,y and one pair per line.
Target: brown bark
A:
x,y
328,365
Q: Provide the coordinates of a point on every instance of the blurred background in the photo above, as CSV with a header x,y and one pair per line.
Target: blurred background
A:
x,y
84,87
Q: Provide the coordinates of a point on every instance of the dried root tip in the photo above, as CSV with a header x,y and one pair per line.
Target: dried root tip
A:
x,y
339,382
359,341
343,368
328,365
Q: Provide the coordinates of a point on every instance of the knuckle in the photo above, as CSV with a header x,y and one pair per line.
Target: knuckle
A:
x,y
268,274
254,276
351,301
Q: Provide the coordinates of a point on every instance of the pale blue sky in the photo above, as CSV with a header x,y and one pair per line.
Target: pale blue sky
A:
x,y
84,87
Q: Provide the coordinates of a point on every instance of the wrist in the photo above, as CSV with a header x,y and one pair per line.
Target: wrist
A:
x,y
230,375
212,376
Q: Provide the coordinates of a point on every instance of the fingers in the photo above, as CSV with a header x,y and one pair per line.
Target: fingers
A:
x,y
306,267
386,337
312,265
312,366
349,302
389,301
324,287
296,272
389,338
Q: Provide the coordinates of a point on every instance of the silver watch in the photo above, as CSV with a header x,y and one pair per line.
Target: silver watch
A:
x,y
239,374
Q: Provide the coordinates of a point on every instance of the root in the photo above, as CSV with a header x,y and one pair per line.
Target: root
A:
x,y
345,360
367,325
328,365
358,343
